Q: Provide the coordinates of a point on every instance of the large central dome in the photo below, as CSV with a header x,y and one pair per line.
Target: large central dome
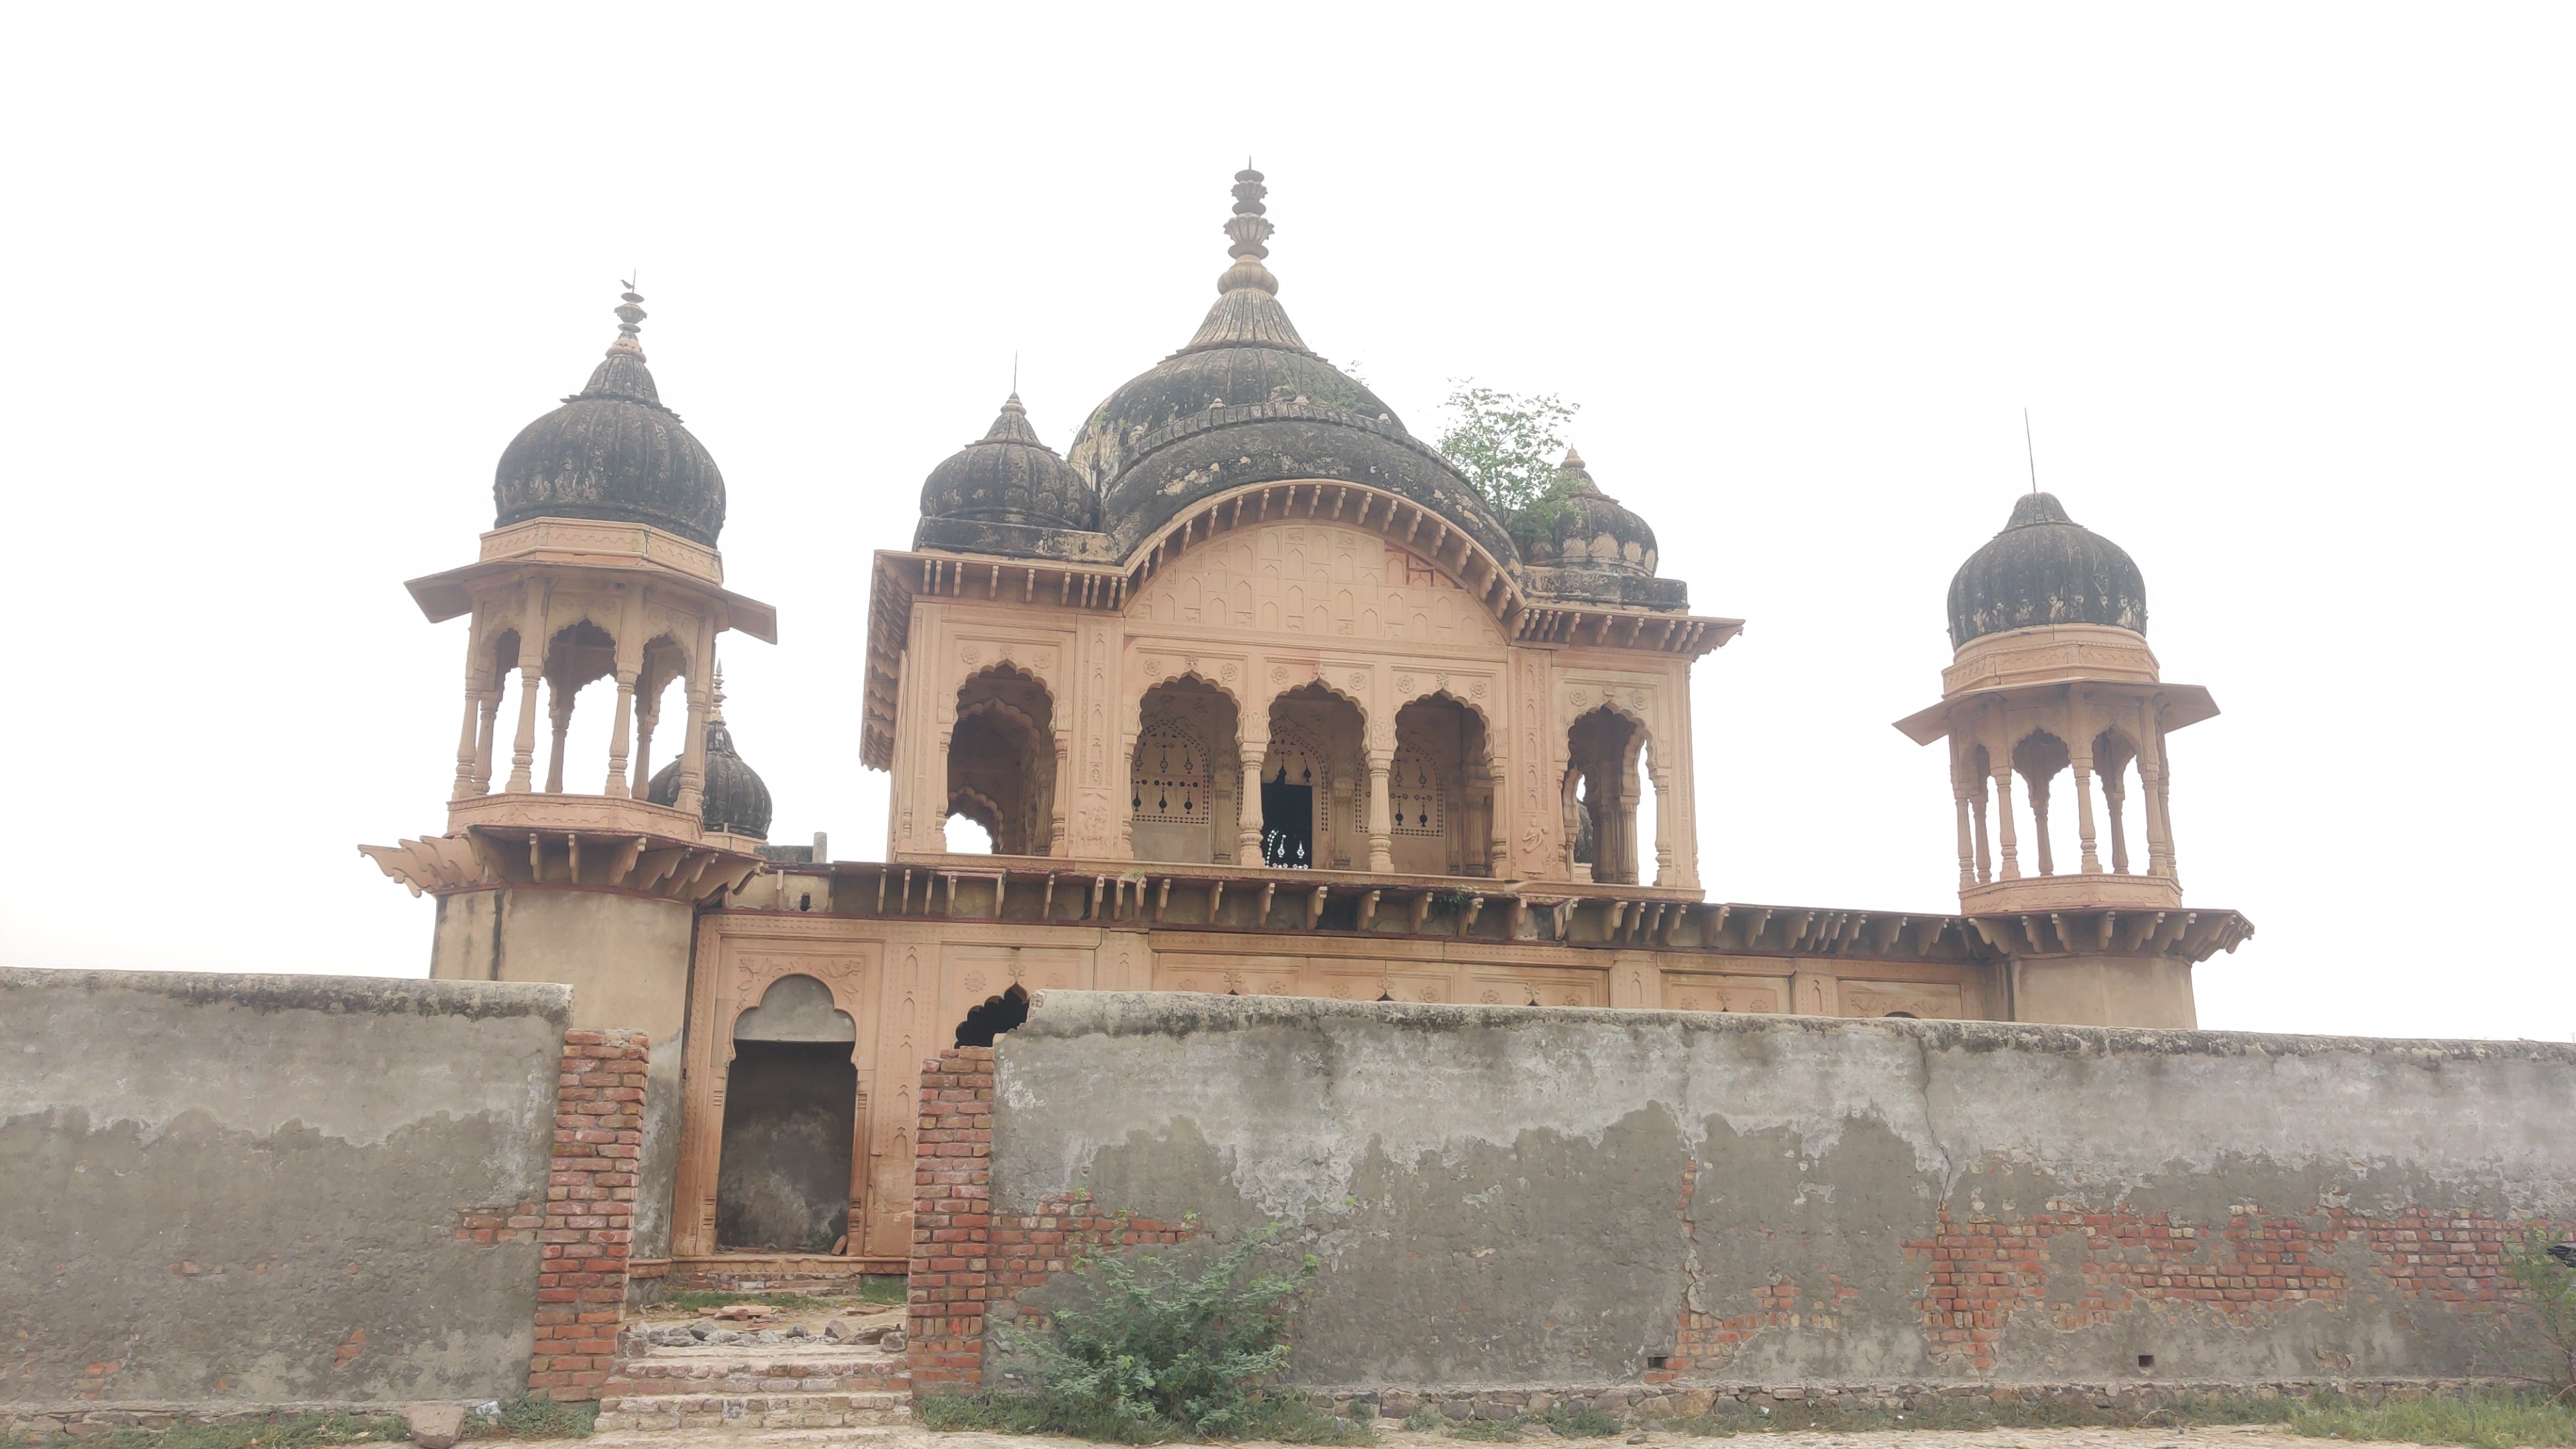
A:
x,y
1248,402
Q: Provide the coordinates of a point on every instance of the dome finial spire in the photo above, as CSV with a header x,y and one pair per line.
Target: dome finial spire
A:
x,y
1250,228
630,321
715,702
2030,450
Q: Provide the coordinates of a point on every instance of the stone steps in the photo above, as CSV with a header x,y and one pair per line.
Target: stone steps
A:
x,y
840,1374
750,1413
743,1388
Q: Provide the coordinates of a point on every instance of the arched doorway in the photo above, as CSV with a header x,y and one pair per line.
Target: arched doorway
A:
x,y
790,1122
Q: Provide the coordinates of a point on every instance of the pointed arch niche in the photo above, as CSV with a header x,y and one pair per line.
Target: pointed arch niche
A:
x,y
1001,761
1440,789
784,1180
1181,780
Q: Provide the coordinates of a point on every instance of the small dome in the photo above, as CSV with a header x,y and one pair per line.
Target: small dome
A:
x,y
1590,530
1008,476
2045,568
613,451
735,801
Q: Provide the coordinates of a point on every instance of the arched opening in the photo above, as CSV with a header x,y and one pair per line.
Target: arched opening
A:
x,y
2038,759
576,656
665,664
1001,761
1182,780
997,1015
1440,790
790,1118
1603,750
1313,810
2113,759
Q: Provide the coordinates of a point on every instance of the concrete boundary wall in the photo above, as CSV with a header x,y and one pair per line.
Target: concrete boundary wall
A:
x,y
1534,1198
271,1189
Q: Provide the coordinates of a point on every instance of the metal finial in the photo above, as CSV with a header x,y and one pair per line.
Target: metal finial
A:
x,y
630,321
715,705
2030,450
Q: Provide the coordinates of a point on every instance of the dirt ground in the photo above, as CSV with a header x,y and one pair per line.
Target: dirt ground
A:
x,y
909,1437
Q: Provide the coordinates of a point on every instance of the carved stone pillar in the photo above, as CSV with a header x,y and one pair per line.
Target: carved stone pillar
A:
x,y
693,755
559,700
491,709
468,742
616,786
1381,845
523,749
2114,793
1060,797
2039,823
2092,859
648,710
2004,822
1977,817
1247,834
1967,841
1498,848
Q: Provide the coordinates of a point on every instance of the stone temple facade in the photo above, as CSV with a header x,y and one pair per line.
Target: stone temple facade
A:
x,y
1252,692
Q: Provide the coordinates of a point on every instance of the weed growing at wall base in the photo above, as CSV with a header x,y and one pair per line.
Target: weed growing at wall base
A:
x,y
1144,1350
284,1431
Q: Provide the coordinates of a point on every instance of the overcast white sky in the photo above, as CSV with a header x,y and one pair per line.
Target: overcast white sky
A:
x,y
2286,289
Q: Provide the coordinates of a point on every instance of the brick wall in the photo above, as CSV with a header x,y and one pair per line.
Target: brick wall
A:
x,y
966,1263
952,1202
590,1206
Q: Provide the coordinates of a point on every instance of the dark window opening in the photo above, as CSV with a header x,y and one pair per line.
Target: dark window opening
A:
x,y
1656,1360
2146,1360
1287,823
997,1015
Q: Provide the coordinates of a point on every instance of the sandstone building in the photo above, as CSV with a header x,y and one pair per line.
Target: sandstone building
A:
x,y
1253,693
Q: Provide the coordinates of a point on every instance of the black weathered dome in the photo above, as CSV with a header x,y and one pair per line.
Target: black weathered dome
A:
x,y
1008,476
734,799
1590,530
1248,402
613,451
2044,568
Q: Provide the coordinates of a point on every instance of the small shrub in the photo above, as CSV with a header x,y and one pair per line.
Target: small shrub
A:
x,y
527,1417
1487,1431
2540,1330
1423,1420
1149,1344
882,1288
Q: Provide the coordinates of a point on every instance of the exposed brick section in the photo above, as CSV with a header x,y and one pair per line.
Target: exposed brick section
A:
x,y
590,1207
952,1218
2256,1263
965,1261
486,1226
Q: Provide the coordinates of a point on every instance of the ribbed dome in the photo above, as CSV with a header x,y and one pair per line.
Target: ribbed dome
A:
x,y
613,451
2044,568
734,799
1246,401
1008,476
1591,529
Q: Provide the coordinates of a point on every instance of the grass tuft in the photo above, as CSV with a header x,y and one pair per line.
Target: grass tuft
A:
x,y
526,1417
287,1431
2483,1421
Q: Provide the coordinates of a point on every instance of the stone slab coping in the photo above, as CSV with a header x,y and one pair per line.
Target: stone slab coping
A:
x,y
366,995
1060,1013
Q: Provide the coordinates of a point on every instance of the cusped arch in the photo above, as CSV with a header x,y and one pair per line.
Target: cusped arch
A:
x,y
1476,568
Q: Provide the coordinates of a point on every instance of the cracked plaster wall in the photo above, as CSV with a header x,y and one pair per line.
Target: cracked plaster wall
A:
x,y
1507,1195
250,1188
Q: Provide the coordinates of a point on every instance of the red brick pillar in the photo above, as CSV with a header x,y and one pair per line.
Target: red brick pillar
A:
x,y
952,1219
590,1207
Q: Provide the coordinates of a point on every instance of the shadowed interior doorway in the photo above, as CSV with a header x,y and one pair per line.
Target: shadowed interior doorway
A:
x,y
790,1116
